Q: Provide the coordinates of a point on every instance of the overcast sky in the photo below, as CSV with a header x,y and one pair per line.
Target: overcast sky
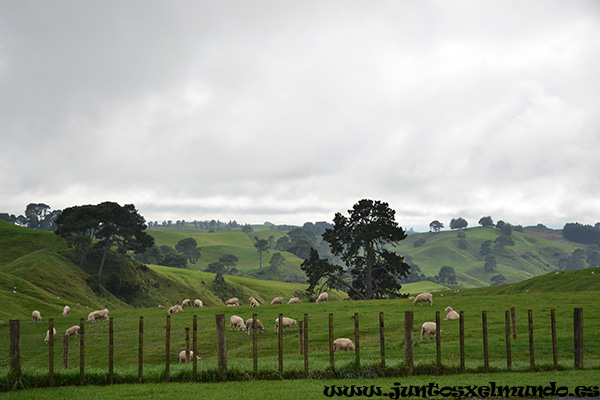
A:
x,y
291,111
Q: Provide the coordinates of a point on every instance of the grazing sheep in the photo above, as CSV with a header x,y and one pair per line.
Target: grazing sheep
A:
x,y
198,303
184,359
175,309
233,302
66,311
47,340
161,306
98,314
294,300
259,325
422,298
253,302
342,344
287,322
237,323
186,303
73,331
441,295
37,317
452,315
323,297
428,328
277,300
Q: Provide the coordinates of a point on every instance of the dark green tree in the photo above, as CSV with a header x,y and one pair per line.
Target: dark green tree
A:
x,y
262,246
276,262
497,280
458,223
447,275
79,225
486,221
229,261
490,263
485,248
171,258
188,247
435,226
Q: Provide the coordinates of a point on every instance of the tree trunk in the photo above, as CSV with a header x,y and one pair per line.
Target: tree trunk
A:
x,y
106,247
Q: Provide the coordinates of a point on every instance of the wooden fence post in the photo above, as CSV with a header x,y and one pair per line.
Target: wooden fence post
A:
x,y
306,344
507,333
221,343
554,342
254,345
66,351
111,349
513,321
195,348
187,344
486,358
578,337
461,334
141,350
438,343
280,343
382,339
531,348
168,349
331,361
81,352
356,339
51,351
408,340
15,349
300,337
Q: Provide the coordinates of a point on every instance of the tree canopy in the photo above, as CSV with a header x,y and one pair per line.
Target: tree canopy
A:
x,y
360,240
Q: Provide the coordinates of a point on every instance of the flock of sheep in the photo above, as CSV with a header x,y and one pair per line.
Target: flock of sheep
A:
x,y
429,328
75,329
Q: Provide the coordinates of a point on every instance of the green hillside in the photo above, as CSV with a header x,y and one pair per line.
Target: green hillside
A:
x,y
529,256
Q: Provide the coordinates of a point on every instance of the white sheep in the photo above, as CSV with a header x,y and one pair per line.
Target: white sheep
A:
x,y
259,325
452,315
277,300
237,323
287,322
175,309
233,302
66,310
342,344
253,302
294,300
428,328
422,298
37,317
323,297
73,331
98,314
47,340
186,303
198,303
190,358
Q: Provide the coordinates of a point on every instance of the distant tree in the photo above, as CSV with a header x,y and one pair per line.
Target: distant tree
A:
x,y
171,258
282,243
485,249
498,280
435,226
216,268
247,228
458,223
419,242
447,275
271,242
518,228
152,255
486,221
276,261
507,229
229,261
79,225
500,224
593,256
580,233
490,263
577,260
262,246
462,239
188,247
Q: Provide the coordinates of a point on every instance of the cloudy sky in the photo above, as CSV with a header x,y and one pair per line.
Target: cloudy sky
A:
x,y
291,111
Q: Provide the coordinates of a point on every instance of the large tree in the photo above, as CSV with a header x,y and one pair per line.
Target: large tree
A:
x,y
189,248
361,240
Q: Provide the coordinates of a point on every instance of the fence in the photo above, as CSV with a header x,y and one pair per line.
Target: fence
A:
x,y
191,344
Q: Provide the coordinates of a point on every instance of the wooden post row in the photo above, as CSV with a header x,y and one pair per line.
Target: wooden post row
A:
x,y
306,344
461,335
280,343
81,352
195,347
508,344
168,349
578,337
51,351
221,343
531,348
438,343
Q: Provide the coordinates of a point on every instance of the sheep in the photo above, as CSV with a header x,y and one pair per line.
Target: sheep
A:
x,y
237,323
233,302
66,311
47,340
323,297
287,322
98,314
294,300
198,303
189,358
161,306
253,302
277,300
186,303
428,328
452,315
422,298
259,325
175,309
37,317
73,331
342,344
